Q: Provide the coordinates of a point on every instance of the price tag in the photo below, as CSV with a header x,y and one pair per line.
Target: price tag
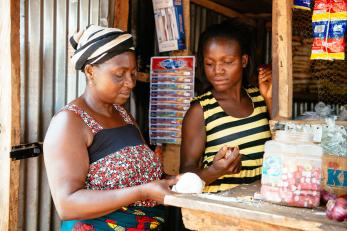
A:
x,y
317,133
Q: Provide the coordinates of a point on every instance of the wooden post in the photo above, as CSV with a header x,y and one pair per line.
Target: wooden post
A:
x,y
282,59
171,152
121,12
9,112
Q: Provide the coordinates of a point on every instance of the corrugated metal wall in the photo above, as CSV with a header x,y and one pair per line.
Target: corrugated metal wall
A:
x,y
48,82
200,18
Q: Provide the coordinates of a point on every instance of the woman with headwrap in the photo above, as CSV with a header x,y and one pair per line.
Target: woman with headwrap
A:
x,y
101,173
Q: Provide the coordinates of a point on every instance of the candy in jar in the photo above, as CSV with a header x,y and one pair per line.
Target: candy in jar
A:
x,y
291,172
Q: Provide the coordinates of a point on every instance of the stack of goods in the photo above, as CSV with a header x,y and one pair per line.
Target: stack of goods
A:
x,y
292,170
329,21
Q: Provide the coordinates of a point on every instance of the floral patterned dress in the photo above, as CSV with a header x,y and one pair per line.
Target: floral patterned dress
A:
x,y
119,158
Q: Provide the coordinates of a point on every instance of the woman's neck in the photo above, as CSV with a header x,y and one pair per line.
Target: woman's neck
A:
x,y
234,93
95,104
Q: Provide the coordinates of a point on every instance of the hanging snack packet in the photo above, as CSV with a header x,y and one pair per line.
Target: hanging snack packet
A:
x,y
319,48
336,40
329,22
329,10
302,4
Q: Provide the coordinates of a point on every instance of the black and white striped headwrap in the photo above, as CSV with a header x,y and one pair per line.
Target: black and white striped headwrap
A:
x,y
96,44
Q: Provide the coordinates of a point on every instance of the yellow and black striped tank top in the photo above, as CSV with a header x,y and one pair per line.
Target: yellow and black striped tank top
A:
x,y
249,133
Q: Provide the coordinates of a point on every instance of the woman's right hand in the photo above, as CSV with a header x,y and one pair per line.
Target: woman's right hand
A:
x,y
265,81
157,190
227,161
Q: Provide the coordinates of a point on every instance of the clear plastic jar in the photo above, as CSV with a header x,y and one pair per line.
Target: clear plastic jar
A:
x,y
291,171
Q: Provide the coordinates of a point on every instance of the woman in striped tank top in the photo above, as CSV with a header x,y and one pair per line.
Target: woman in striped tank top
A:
x,y
225,128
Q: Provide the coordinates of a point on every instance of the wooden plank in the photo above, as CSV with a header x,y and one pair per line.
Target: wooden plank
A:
x,y
259,15
199,220
224,11
10,112
186,17
238,205
248,6
282,59
15,110
121,16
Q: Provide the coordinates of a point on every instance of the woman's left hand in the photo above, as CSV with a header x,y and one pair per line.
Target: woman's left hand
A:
x,y
265,82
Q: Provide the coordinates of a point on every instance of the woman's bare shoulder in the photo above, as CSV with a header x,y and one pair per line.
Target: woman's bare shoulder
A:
x,y
67,124
194,117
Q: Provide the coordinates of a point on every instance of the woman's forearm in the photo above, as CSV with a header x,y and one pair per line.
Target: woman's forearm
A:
x,y
208,175
88,204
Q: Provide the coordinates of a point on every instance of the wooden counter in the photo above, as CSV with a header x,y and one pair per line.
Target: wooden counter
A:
x,y
237,210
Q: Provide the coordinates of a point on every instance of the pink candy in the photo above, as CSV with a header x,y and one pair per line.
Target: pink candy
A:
x,y
296,186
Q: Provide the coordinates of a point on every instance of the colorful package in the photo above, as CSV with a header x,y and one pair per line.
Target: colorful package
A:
x,y
168,17
329,21
171,89
329,10
302,4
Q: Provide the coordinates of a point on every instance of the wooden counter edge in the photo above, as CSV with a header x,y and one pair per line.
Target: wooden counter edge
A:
x,y
241,213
